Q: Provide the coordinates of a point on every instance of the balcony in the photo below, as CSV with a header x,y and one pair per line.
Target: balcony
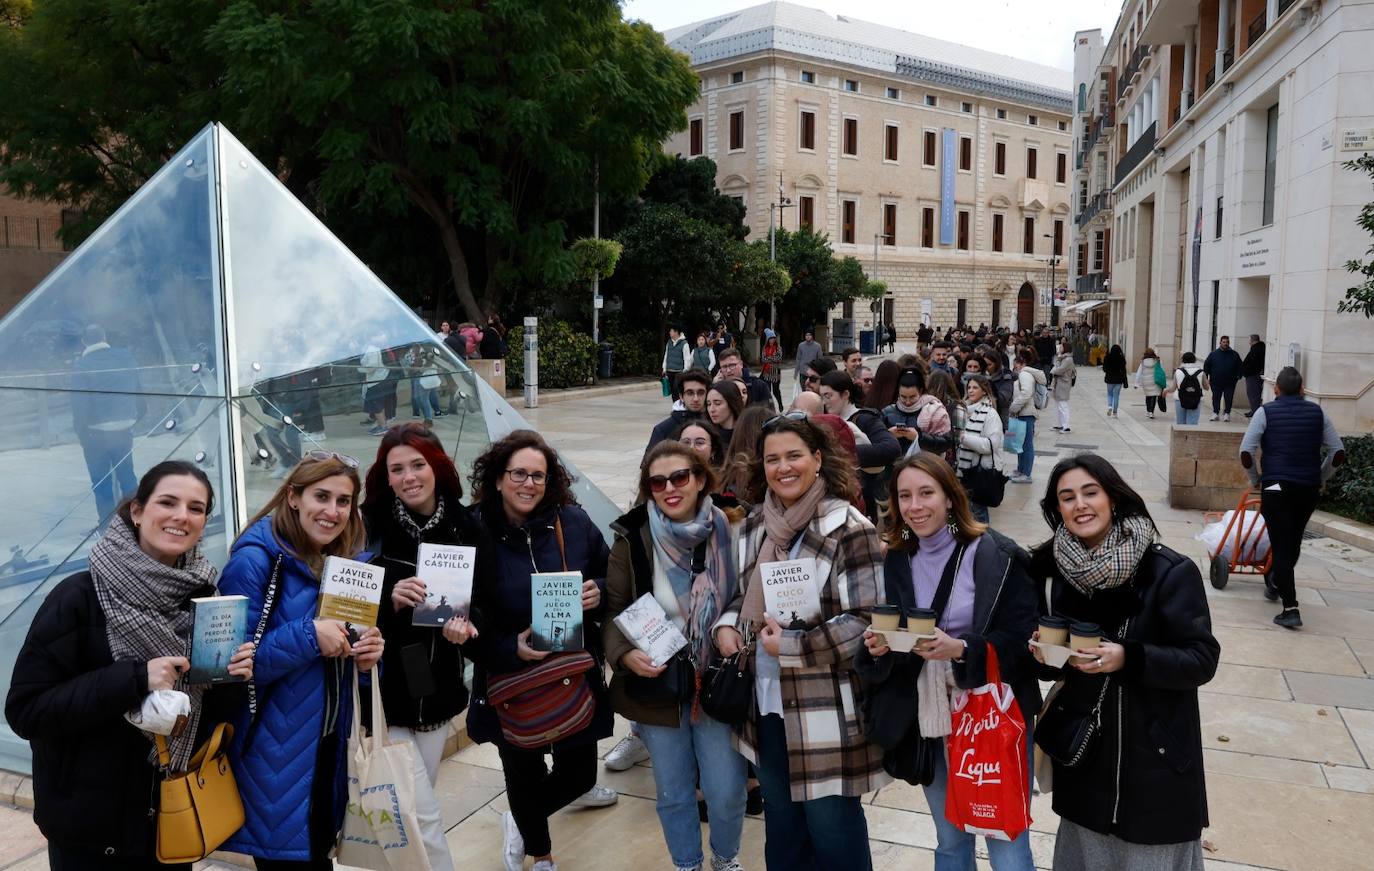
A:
x,y
1094,284
1137,153
1168,22
1095,205
1128,75
1095,129
1255,30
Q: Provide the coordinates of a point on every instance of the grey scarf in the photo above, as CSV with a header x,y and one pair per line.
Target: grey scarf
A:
x,y
146,610
1111,563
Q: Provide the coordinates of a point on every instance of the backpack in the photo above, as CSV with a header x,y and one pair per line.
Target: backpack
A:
x,y
1042,395
1190,390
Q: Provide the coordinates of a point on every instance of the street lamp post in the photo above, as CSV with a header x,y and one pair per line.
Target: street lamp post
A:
x,y
1054,262
782,203
878,331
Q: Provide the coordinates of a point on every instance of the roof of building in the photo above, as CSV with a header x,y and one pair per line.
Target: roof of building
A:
x,y
779,26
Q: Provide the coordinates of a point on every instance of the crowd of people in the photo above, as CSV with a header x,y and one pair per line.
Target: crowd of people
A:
x,y
882,477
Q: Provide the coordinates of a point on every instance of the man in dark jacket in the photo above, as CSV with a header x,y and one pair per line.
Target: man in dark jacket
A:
x,y
1253,370
692,385
1222,368
732,368
105,407
1045,350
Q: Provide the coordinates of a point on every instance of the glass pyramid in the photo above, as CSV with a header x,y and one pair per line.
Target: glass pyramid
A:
x,y
214,319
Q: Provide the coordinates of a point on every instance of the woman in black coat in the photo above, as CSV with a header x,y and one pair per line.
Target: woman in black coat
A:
x,y
1137,796
1114,376
101,641
525,501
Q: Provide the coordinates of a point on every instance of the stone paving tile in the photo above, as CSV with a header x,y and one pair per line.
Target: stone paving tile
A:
x,y
1279,648
1361,726
19,836
1329,689
1248,680
1349,778
1263,767
1283,825
1364,651
1285,730
462,789
1349,599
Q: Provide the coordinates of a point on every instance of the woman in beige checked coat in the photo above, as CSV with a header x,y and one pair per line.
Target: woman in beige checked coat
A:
x,y
804,735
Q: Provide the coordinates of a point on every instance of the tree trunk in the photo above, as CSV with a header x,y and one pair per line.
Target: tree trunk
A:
x,y
458,266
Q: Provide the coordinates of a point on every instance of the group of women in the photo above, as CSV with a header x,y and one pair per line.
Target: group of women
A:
x,y
709,517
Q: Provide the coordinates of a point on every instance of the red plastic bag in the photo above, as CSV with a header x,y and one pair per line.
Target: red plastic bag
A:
x,y
988,792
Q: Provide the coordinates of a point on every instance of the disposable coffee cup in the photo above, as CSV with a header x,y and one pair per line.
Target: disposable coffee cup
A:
x,y
1084,635
920,621
1054,630
886,618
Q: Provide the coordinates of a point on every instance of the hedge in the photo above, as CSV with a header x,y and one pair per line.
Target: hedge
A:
x,y
567,358
1350,492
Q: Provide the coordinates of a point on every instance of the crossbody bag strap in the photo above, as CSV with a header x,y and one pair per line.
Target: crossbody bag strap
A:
x,y
558,534
946,588
267,602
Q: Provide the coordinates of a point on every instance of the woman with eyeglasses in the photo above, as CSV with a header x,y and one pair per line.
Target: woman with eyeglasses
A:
x,y
724,403
288,757
413,497
704,438
524,497
676,546
803,735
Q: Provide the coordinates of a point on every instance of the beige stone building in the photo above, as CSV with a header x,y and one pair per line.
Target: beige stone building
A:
x,y
953,164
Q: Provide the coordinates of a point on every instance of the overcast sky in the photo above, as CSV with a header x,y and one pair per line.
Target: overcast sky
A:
x,y
1040,32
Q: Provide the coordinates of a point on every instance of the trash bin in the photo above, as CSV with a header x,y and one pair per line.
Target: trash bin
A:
x,y
605,361
866,342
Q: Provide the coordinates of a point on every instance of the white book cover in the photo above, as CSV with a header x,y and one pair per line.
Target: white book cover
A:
x,y
792,592
647,626
447,572
350,591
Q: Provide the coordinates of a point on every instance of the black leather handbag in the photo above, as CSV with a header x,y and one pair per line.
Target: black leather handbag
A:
x,y
677,683
985,486
727,688
1069,733
914,760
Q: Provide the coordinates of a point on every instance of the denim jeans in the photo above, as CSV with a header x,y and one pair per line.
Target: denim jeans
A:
x,y
680,756
817,835
980,512
1114,396
1187,415
415,397
954,846
110,464
1025,461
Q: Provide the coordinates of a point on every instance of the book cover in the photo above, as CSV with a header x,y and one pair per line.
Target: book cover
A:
x,y
556,611
791,592
350,591
647,626
220,626
447,572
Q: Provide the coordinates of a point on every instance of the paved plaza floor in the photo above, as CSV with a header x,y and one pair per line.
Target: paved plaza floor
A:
x,y
1288,722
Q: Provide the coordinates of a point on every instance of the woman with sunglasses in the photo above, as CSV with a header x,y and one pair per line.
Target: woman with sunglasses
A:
x,y
803,735
676,546
289,755
812,373
413,497
523,495
724,403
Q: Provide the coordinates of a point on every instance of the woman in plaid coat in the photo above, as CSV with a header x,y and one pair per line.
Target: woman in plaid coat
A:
x,y
804,735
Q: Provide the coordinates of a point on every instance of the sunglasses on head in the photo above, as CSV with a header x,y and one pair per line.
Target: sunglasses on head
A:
x,y
679,479
322,456
772,423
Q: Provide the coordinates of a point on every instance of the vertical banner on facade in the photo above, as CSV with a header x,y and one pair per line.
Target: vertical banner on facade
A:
x,y
926,307
1197,273
947,175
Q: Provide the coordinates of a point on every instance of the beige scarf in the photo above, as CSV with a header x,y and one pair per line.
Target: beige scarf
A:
x,y
781,526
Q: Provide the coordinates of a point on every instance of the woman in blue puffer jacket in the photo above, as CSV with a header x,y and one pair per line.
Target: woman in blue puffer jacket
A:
x,y
289,759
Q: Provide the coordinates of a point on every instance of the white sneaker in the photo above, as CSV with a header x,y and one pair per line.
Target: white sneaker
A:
x,y
1213,417
1150,415
597,796
1226,418
512,844
719,864
545,865
628,753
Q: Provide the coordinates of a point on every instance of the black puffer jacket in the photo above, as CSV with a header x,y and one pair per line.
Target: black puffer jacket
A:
x,y
417,658
94,788
1144,782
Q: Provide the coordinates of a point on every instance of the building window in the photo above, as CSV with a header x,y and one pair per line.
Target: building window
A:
x,y
1033,120
851,86
1061,167
889,223
740,200
1082,260
1058,237
963,230
806,212
808,131
999,158
737,130
997,232
808,77
1099,250
928,148
1001,114
966,153
966,108
961,312
736,77
1082,197
932,101
894,94
847,310
996,313
1271,147
694,147
851,136
847,211
1063,125
1032,156
927,227
1028,236
890,143
1221,201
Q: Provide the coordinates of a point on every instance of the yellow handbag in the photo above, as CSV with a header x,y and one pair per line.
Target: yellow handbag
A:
x,y
200,808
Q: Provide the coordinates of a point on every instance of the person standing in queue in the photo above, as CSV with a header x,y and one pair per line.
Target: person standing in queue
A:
x,y
289,757
803,735
524,497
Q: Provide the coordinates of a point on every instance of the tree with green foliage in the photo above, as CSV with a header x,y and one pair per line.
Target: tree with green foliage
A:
x,y
820,281
1360,299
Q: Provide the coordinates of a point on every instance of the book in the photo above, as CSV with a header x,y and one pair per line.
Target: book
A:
x,y
350,591
447,572
647,626
219,627
556,611
791,592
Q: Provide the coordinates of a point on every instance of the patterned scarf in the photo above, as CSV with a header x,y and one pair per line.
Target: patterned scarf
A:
x,y
408,523
147,613
1111,563
781,526
699,597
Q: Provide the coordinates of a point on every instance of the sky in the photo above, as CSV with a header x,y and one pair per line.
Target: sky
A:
x,y
1034,31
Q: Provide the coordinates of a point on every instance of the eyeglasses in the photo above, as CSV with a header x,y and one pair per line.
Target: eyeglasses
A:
x,y
323,456
772,423
520,476
695,443
679,479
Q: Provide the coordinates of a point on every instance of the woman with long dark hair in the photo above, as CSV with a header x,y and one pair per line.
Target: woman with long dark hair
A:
x,y
883,391
724,404
524,497
1132,794
102,640
1114,376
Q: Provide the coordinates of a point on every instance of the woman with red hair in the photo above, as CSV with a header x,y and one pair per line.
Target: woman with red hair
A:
x,y
412,497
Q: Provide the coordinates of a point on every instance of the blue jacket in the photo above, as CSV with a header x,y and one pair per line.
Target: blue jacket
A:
x,y
1223,367
276,768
